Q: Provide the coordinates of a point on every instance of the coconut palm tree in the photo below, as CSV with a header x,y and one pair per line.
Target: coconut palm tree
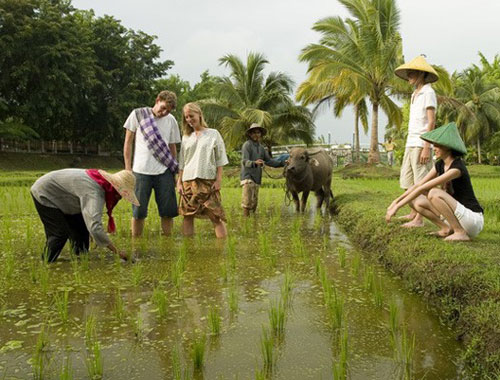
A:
x,y
368,48
247,96
479,118
338,92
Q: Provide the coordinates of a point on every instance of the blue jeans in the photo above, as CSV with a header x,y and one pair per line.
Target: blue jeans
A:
x,y
164,187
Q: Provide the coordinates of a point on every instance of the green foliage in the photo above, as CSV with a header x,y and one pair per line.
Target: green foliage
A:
x,y
247,96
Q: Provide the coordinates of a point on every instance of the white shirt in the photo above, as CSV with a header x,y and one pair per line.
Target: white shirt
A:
x,y
200,156
144,161
418,124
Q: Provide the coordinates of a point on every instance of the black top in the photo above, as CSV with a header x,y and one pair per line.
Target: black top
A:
x,y
461,187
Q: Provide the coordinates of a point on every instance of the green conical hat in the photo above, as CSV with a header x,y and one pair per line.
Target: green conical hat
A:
x,y
446,135
420,64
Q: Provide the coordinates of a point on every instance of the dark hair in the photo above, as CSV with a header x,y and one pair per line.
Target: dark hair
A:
x,y
456,153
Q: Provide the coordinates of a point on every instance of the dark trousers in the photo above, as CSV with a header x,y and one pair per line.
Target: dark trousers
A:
x,y
60,227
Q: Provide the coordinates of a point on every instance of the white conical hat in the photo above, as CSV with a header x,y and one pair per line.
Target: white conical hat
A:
x,y
124,183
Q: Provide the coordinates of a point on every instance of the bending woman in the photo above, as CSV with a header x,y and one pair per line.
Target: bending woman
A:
x,y
201,159
453,207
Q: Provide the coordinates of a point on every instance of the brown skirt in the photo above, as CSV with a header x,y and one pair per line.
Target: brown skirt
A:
x,y
201,201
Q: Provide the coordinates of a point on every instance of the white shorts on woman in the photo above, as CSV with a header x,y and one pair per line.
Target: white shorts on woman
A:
x,y
472,222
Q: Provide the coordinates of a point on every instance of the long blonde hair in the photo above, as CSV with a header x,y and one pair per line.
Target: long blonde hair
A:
x,y
193,107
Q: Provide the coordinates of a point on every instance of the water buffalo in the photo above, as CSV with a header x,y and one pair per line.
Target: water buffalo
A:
x,y
310,170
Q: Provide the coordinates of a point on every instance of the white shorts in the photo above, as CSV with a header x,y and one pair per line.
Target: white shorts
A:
x,y
472,222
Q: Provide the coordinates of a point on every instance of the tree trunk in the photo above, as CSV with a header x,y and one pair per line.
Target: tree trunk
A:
x,y
356,134
374,157
479,152
42,146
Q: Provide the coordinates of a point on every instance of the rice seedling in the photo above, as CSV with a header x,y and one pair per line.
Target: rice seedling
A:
x,y
336,310
61,302
159,299
137,274
298,247
404,354
368,278
277,318
176,365
355,264
233,299
139,327
76,268
393,321
176,275
214,320
260,375
119,306
267,349
287,287
39,359
326,243
198,353
340,368
378,295
90,329
224,271
94,360
66,370
342,252
43,277
317,265
231,251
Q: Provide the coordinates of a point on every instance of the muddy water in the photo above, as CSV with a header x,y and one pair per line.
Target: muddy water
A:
x,y
140,345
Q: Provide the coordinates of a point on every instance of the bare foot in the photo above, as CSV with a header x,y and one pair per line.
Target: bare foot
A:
x,y
413,224
458,236
441,233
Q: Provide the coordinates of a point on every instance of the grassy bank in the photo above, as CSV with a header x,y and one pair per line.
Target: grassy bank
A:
x,y
461,280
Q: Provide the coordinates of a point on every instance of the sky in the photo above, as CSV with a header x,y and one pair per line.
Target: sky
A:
x,y
196,33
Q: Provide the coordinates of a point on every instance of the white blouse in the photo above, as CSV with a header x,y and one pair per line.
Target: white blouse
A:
x,y
201,155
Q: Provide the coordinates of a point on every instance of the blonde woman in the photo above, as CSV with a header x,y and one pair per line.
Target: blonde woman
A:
x,y
201,159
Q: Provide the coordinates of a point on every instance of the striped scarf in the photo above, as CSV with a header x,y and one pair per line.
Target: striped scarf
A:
x,y
155,142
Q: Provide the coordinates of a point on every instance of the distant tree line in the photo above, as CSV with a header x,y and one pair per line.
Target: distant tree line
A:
x,y
69,76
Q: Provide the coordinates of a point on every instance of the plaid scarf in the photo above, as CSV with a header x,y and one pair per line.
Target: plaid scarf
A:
x,y
155,142
111,196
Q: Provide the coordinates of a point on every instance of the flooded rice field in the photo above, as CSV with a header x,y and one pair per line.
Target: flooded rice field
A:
x,y
285,297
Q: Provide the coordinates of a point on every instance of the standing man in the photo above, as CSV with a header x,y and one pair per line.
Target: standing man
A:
x,y
417,160
155,132
254,156
389,148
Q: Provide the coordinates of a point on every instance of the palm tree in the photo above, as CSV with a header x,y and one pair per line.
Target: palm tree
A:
x,y
479,118
246,96
336,91
368,48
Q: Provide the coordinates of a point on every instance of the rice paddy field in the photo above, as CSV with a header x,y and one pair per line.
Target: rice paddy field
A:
x,y
286,296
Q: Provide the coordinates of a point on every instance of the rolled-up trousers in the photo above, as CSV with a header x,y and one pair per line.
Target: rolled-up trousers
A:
x,y
60,227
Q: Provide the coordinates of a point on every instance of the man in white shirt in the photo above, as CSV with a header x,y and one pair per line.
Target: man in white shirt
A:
x,y
152,173
417,160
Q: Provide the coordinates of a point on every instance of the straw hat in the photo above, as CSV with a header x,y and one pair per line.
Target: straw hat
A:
x,y
447,136
255,126
419,64
124,183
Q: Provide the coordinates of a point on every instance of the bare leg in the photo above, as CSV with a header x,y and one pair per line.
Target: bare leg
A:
x,y
166,225
246,212
425,208
418,221
188,226
220,230
445,204
137,227
409,216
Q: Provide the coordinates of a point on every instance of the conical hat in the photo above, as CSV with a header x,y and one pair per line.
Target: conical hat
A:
x,y
419,64
255,126
124,183
447,136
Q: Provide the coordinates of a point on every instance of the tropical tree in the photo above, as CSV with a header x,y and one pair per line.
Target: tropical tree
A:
x,y
337,92
479,118
247,96
367,47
